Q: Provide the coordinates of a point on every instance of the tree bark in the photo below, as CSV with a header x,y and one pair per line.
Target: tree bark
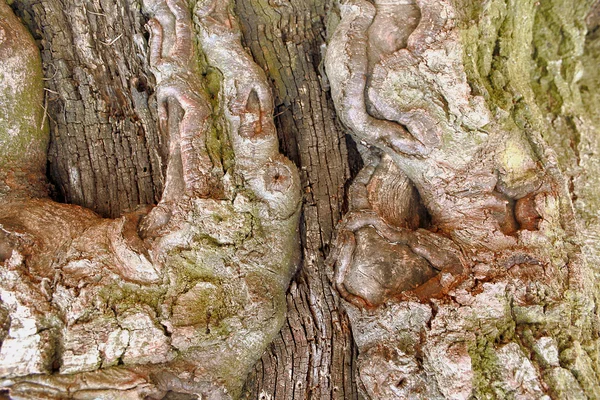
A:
x,y
106,153
287,40
119,307
462,272
464,95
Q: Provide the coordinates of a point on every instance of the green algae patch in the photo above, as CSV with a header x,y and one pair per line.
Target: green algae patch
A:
x,y
484,363
23,131
123,296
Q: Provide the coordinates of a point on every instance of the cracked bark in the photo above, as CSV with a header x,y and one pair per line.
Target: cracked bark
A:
x,y
107,154
286,39
124,304
317,329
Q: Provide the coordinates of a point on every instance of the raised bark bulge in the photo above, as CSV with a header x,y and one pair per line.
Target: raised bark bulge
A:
x,y
476,124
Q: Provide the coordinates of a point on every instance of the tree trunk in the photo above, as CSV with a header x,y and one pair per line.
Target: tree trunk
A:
x,y
287,41
478,107
106,153
448,159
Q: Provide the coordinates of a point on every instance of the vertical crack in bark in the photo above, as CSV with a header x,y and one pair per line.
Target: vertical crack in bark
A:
x,y
105,151
285,39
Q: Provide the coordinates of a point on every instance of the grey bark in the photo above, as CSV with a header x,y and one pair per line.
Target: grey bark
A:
x,y
107,154
472,105
287,40
182,297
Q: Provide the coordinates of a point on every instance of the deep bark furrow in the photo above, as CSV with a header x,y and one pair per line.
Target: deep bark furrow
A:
x,y
285,40
104,152
188,293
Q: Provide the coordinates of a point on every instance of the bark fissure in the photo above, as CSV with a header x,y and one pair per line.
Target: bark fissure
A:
x,y
286,39
104,152
464,215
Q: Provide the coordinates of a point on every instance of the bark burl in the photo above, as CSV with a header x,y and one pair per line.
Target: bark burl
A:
x,y
460,255
182,297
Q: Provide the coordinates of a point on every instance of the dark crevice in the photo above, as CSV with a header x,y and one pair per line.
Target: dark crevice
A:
x,y
355,164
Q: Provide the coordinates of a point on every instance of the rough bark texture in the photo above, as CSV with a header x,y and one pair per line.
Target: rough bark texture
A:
x,y
313,356
180,298
479,107
466,249
106,153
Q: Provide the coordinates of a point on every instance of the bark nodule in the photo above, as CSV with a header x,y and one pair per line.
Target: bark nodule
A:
x,y
182,297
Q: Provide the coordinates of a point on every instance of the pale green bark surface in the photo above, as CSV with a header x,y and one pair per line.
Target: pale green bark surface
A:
x,y
23,128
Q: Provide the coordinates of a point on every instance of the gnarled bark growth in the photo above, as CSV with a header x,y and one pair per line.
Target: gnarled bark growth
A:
x,y
452,307
182,297
466,259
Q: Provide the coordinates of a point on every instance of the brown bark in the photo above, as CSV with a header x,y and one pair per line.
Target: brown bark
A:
x,y
183,297
517,308
105,152
313,355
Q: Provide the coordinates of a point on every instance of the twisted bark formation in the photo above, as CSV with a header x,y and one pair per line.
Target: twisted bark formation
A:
x,y
179,298
467,260
451,305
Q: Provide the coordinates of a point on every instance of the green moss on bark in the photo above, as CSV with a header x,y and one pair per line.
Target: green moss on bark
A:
x,y
23,132
529,60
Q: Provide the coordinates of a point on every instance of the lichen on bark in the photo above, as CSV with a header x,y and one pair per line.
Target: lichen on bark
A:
x,y
494,180
182,297
479,139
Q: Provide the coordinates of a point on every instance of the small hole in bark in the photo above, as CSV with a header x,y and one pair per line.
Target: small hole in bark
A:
x,y
278,180
140,83
56,365
146,32
401,383
278,177
166,330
